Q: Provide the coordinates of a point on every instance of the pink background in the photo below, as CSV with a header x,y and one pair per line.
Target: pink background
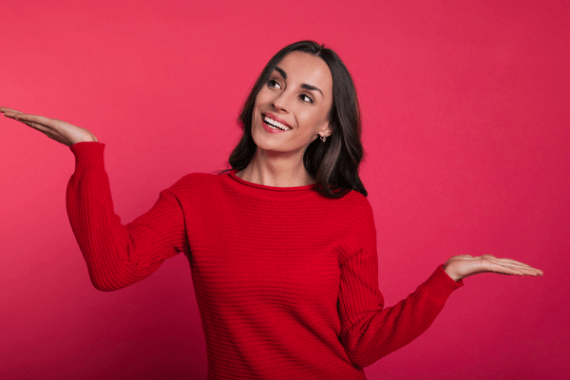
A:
x,y
466,129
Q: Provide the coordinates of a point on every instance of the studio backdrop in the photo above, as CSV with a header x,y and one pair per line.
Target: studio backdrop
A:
x,y
465,109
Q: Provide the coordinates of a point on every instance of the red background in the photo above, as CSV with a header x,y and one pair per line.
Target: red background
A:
x,y
466,114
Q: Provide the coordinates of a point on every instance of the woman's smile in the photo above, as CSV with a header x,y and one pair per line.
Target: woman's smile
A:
x,y
273,124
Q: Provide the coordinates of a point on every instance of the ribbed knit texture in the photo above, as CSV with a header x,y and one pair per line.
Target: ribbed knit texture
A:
x,y
286,280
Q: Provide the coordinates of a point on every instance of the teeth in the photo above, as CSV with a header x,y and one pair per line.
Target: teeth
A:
x,y
275,124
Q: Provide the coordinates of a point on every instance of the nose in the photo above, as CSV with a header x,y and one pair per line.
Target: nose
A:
x,y
281,102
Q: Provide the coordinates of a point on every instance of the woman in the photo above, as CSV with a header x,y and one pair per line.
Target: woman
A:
x,y
283,246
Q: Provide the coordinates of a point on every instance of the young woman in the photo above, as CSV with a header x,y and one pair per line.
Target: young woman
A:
x,y
282,247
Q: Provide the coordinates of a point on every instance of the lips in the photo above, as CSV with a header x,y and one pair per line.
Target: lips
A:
x,y
275,123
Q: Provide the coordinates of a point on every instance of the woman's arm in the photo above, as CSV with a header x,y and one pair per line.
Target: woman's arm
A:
x,y
368,330
117,255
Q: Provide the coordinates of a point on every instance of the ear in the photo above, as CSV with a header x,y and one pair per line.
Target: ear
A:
x,y
326,130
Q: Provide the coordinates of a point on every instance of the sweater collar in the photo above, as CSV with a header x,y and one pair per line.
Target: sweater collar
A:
x,y
233,175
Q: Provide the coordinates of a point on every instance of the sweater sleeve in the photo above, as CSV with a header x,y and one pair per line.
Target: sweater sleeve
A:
x,y
368,330
118,255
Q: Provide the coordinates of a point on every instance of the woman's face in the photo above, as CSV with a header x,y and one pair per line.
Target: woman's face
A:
x,y
292,108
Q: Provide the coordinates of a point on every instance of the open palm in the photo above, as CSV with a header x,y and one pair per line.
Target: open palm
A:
x,y
462,266
58,130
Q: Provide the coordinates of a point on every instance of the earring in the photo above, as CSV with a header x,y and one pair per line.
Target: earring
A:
x,y
323,138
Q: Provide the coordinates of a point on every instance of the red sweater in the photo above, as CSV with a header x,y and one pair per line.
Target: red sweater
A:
x,y
286,280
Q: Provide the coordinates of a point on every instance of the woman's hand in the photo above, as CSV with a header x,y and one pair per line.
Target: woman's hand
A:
x,y
58,130
462,266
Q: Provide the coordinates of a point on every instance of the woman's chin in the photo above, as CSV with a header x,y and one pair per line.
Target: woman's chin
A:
x,y
267,142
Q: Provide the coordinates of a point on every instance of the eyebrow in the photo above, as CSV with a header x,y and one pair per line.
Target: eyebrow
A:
x,y
282,72
313,88
304,85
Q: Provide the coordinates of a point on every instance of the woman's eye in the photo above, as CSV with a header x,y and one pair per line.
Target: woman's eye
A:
x,y
273,83
306,98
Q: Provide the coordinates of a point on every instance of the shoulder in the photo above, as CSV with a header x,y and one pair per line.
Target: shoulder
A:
x,y
353,209
356,228
356,198
355,203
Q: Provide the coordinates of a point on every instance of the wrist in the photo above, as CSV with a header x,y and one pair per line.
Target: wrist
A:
x,y
449,271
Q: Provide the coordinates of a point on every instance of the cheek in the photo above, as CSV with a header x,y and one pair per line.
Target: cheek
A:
x,y
259,101
312,121
262,96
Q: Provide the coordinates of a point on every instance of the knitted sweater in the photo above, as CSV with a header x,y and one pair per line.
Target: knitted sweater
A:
x,y
286,279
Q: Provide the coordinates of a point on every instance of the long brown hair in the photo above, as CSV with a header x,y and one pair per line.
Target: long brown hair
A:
x,y
334,163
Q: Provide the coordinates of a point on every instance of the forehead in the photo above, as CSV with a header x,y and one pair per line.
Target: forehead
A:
x,y
305,68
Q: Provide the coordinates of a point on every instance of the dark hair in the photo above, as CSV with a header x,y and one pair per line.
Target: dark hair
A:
x,y
334,163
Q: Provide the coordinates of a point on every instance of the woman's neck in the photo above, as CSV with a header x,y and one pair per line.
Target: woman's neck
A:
x,y
276,170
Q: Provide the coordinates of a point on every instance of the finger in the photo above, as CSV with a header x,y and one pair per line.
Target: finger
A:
x,y
510,269
513,265
34,118
6,109
491,257
509,261
46,131
505,270
37,126
522,266
11,114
